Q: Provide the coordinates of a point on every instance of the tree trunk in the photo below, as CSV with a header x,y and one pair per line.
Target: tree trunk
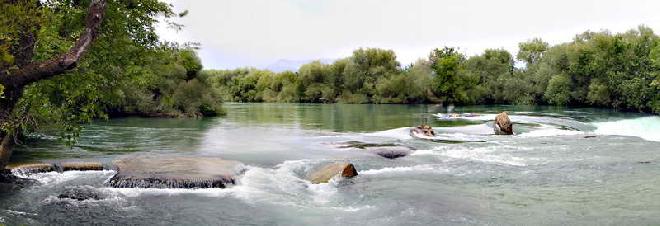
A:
x,y
14,80
6,144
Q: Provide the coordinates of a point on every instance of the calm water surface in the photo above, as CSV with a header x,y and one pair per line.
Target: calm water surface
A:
x,y
552,172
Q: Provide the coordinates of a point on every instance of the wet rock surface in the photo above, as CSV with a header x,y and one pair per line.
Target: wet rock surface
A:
x,y
391,152
33,168
503,125
175,172
326,172
81,166
10,182
386,150
81,194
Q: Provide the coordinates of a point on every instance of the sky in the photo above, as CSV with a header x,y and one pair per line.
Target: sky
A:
x,y
260,33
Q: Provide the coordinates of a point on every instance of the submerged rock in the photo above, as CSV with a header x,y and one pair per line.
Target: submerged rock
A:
x,y
10,182
81,194
175,172
325,173
391,152
33,168
387,150
81,166
503,125
363,145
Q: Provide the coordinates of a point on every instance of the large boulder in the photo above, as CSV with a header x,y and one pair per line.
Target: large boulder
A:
x,y
324,173
175,172
503,125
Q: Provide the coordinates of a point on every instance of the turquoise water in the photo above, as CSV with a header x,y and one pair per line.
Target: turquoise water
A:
x,y
563,166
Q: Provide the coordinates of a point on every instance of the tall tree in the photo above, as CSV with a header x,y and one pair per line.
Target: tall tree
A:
x,y
14,78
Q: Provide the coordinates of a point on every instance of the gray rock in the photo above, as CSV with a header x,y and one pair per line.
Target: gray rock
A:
x,y
387,150
175,172
82,193
391,152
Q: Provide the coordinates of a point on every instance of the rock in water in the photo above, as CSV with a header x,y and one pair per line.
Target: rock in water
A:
x,y
33,168
327,172
387,150
10,182
423,130
175,172
503,125
81,166
81,194
391,152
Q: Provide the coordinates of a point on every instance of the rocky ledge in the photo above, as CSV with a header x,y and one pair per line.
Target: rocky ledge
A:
x,y
30,168
175,172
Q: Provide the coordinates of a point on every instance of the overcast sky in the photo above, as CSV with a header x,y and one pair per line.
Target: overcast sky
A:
x,y
237,33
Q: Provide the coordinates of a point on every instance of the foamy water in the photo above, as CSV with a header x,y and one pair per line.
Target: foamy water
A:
x,y
647,128
549,171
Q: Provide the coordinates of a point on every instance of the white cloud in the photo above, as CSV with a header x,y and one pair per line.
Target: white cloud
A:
x,y
236,33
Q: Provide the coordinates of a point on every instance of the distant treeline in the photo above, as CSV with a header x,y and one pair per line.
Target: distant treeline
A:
x,y
599,69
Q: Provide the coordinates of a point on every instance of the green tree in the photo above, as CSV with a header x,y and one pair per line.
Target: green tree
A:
x,y
559,90
61,59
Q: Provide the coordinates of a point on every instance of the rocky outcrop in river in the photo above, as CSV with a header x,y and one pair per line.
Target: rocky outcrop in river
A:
x,y
503,125
175,172
30,168
326,172
33,168
386,150
81,166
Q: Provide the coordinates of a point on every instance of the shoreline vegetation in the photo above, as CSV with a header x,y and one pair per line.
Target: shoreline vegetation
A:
x,y
596,69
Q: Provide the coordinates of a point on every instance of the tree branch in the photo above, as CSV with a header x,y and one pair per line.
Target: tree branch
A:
x,y
36,71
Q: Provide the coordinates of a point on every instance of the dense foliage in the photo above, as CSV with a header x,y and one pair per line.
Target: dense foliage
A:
x,y
600,69
126,71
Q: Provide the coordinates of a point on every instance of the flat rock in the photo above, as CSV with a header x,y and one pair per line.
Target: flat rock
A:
x,y
326,172
31,168
81,166
175,172
387,150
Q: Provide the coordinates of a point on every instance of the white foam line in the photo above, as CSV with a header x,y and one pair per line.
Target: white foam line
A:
x,y
647,128
404,169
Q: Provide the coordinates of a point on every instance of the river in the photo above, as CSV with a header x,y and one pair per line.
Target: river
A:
x,y
563,166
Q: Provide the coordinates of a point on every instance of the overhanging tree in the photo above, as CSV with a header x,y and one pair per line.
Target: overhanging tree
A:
x,y
25,71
